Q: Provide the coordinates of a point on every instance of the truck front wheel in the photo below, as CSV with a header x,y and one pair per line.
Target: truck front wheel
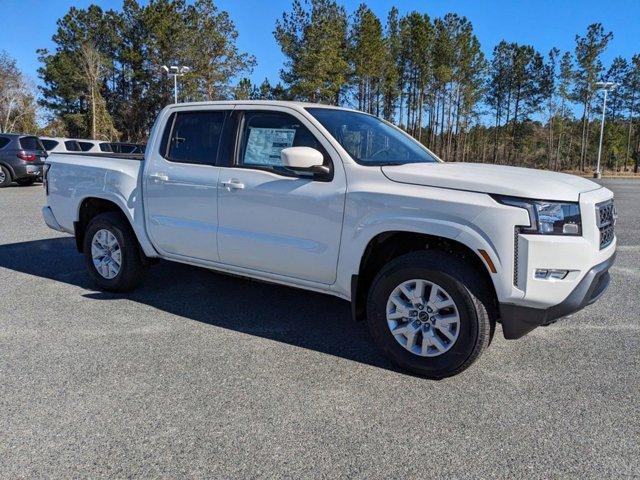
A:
x,y
428,312
112,253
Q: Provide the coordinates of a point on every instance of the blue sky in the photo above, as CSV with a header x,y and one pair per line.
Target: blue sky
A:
x,y
541,23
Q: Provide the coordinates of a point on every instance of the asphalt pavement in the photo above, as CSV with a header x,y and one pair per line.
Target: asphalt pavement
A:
x,y
202,375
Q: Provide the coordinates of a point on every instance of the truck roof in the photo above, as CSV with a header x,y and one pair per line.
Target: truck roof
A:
x,y
282,103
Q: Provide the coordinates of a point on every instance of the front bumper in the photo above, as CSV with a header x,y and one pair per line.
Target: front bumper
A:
x,y
518,320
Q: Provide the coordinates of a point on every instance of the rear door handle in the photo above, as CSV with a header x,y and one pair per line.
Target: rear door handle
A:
x,y
233,184
159,177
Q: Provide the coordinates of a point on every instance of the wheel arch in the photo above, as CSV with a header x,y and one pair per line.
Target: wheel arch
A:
x,y
88,208
385,246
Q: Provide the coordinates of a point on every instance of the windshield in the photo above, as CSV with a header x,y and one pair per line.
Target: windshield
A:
x,y
369,140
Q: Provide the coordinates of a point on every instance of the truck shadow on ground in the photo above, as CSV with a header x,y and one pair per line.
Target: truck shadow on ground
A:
x,y
296,317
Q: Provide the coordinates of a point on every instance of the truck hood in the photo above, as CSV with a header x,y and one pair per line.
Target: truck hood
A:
x,y
496,179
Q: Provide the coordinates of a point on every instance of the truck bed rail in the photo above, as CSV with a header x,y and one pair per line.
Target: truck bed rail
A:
x,y
126,156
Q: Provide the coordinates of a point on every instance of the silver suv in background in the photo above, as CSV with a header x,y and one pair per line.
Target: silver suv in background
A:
x,y
21,159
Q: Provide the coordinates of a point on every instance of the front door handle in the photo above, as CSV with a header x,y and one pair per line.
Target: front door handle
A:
x,y
159,177
233,184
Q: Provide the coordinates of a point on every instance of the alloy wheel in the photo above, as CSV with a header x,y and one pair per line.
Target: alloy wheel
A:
x,y
106,254
423,317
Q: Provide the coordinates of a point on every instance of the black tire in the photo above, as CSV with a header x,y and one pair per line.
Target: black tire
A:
x,y
25,182
467,288
132,267
6,177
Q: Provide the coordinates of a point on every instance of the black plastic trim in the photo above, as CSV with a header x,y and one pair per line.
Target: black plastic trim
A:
x,y
518,320
354,298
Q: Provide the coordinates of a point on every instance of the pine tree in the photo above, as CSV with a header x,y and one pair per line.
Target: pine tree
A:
x,y
313,37
368,56
416,34
243,90
391,81
565,80
587,52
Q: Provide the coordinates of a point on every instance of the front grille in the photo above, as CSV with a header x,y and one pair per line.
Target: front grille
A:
x,y
606,221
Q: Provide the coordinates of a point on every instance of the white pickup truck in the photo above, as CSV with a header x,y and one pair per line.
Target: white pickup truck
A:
x,y
431,254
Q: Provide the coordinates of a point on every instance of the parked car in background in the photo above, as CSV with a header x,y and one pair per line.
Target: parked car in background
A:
x,y
121,147
431,254
59,144
21,159
95,146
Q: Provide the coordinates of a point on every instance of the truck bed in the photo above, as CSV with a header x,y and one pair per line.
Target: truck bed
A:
x,y
73,177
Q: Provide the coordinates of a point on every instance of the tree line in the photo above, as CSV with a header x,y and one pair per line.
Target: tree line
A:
x,y
428,75
104,77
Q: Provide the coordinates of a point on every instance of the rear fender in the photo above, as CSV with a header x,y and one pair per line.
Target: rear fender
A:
x,y
132,212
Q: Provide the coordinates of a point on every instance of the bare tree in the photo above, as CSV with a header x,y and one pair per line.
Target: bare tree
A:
x,y
92,73
18,108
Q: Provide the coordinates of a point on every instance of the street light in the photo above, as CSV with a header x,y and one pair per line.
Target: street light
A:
x,y
175,72
606,86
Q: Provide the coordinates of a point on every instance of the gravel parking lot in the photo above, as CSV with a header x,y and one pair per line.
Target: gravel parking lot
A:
x,y
202,375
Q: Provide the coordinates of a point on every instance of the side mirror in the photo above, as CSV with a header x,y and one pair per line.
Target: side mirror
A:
x,y
303,160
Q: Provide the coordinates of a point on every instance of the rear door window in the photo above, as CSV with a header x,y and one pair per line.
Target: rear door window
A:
x,y
106,147
195,137
4,141
85,146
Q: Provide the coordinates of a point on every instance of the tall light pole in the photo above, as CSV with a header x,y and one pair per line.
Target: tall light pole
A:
x,y
175,72
605,86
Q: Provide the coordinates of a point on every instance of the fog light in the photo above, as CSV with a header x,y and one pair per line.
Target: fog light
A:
x,y
543,274
571,229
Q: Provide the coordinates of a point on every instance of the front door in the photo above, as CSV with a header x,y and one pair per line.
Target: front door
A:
x,y
181,185
270,219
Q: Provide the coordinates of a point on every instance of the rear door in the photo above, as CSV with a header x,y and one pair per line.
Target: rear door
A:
x,y
271,219
181,182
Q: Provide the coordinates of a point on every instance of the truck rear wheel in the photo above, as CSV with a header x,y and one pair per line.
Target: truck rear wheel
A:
x,y
112,253
428,312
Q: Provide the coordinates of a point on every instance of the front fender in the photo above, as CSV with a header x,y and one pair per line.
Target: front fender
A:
x,y
473,219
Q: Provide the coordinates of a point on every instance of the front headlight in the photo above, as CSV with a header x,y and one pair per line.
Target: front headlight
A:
x,y
548,218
